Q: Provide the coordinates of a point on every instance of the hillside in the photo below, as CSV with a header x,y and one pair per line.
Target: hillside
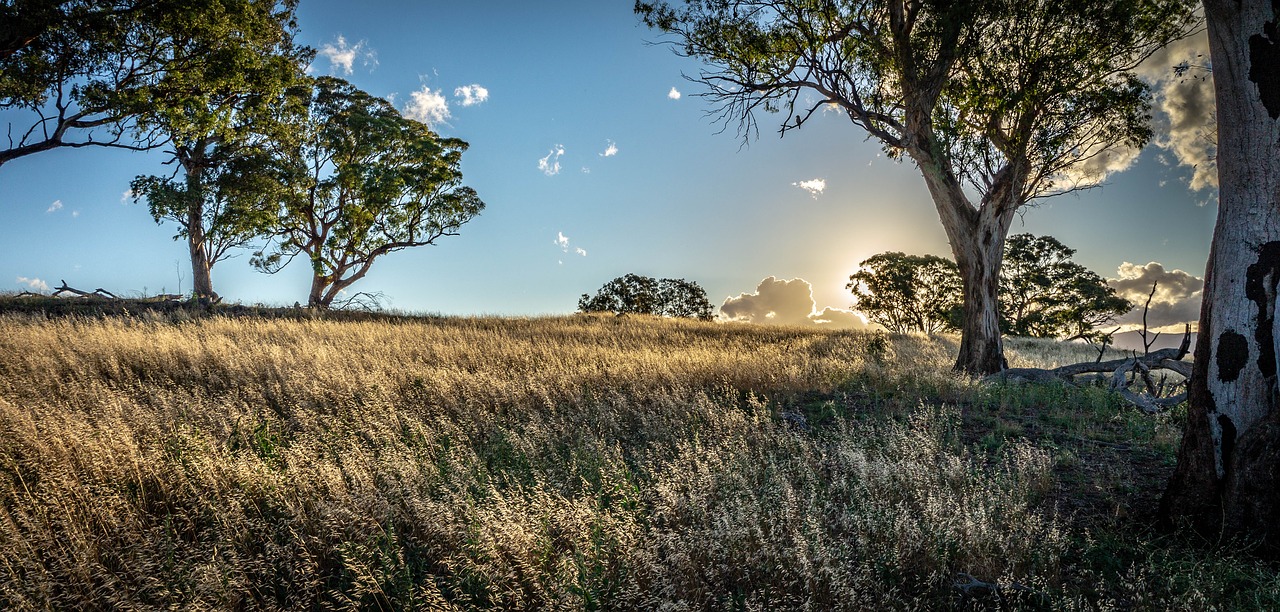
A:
x,y
583,462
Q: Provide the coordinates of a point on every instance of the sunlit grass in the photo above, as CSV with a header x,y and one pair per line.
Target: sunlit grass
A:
x,y
577,462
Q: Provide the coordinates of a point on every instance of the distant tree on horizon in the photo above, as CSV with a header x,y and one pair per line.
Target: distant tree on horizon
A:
x,y
635,294
906,293
1007,100
358,181
1043,294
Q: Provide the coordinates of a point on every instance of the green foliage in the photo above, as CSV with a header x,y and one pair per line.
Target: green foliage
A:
x,y
644,295
128,73
1043,294
359,181
1001,94
233,201
219,112
908,292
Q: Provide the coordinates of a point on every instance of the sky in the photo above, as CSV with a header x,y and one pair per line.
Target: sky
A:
x,y
596,157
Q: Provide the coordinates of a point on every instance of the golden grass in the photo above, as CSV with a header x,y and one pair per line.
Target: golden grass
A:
x,y
579,462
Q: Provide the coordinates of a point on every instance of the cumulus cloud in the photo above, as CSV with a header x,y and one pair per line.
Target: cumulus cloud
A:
x,y
550,165
1103,163
786,302
33,283
674,94
815,187
472,94
342,56
1185,123
55,207
1176,300
427,106
610,150
581,251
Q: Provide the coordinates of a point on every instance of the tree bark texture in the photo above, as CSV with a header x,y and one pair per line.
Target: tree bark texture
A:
x,y
201,269
977,238
1226,481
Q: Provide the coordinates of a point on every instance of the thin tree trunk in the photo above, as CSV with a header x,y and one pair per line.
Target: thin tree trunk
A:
x,y
1226,482
201,269
319,282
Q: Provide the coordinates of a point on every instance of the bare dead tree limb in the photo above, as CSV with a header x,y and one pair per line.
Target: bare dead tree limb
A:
x,y
1120,370
99,292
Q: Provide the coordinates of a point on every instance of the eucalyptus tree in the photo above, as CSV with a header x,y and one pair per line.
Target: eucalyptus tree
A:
x,y
1227,481
359,181
1044,294
70,72
998,102
633,293
238,61
905,293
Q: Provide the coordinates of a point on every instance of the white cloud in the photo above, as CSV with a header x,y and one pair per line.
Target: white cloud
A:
x,y
55,207
562,241
471,94
126,195
674,94
1185,121
610,150
1176,300
342,57
75,214
787,302
550,165
815,187
427,106
33,283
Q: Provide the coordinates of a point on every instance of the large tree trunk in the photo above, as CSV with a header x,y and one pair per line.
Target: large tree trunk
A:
x,y
1226,481
979,250
317,298
977,242
201,269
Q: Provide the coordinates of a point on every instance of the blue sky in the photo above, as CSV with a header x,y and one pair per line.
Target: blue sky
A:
x,y
676,199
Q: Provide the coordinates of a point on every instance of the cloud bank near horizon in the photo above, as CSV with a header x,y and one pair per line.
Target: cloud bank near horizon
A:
x,y
787,302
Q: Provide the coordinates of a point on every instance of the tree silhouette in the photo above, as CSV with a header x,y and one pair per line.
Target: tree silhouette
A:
x,y
1043,294
907,293
637,294
1007,100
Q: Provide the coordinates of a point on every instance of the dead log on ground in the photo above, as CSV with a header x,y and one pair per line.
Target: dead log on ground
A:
x,y
99,292
1124,372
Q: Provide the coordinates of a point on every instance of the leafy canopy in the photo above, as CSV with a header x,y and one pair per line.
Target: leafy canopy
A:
x,y
907,293
644,295
359,181
84,71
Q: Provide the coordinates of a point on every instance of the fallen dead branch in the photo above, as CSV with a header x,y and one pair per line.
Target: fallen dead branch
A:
x,y
99,292
1123,373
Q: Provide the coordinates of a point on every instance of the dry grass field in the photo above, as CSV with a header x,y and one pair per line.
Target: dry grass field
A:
x,y
165,462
